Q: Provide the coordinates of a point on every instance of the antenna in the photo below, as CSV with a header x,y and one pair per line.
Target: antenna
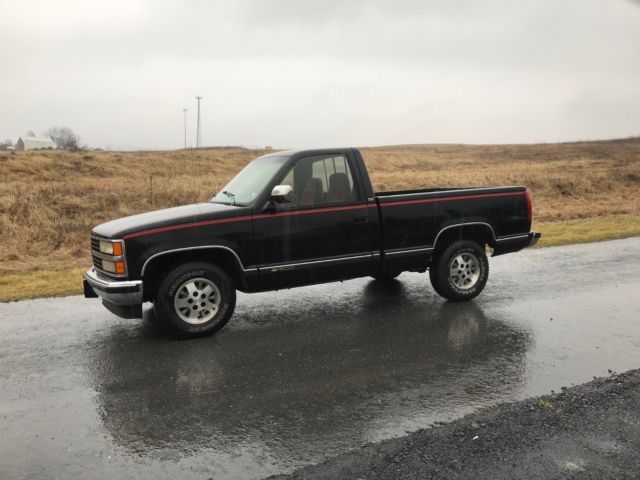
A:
x,y
185,127
198,132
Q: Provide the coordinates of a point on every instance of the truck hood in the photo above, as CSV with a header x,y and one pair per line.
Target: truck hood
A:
x,y
164,218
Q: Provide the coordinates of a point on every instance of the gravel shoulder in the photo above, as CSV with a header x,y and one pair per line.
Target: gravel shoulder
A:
x,y
586,431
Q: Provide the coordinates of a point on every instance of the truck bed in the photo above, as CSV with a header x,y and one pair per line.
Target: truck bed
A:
x,y
444,190
412,220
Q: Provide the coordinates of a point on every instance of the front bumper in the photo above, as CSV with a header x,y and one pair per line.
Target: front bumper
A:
x,y
121,297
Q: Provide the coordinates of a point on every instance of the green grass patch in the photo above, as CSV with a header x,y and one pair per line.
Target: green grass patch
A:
x,y
587,230
47,283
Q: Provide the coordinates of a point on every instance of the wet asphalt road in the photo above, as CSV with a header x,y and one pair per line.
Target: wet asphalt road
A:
x,y
303,374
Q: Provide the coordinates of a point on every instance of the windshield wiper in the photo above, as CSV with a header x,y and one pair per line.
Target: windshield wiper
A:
x,y
230,195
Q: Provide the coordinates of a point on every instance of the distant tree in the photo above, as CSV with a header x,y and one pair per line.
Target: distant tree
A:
x,y
30,133
6,144
64,138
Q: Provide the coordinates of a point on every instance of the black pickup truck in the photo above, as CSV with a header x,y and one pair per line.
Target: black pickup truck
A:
x,y
299,218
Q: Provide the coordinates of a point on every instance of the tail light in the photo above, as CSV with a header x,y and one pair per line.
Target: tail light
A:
x,y
527,196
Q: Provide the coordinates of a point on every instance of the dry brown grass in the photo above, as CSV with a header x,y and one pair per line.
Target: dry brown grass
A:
x,y
49,201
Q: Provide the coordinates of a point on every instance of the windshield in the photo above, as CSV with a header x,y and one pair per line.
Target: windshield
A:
x,y
250,182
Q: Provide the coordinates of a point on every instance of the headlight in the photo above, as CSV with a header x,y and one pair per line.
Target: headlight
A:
x,y
111,248
113,267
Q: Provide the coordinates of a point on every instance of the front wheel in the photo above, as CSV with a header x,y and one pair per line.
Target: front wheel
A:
x,y
195,299
460,271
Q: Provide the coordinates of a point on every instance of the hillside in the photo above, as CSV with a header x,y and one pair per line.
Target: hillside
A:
x,y
49,201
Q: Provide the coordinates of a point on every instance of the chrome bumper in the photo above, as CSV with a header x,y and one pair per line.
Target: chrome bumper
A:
x,y
533,238
121,297
515,243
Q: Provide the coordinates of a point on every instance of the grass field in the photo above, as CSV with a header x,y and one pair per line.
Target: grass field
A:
x,y
49,201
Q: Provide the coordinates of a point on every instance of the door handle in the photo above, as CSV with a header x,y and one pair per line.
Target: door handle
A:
x,y
359,218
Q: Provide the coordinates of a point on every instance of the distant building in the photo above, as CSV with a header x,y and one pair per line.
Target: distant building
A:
x,y
34,143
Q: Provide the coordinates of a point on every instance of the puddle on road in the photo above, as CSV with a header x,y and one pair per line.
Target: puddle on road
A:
x,y
328,375
311,385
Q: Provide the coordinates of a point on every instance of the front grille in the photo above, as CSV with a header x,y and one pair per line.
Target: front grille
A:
x,y
95,247
97,262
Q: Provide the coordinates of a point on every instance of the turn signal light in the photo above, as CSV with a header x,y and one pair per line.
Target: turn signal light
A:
x,y
117,249
120,267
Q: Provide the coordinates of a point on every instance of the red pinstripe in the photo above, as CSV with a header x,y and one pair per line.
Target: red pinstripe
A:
x,y
311,212
448,199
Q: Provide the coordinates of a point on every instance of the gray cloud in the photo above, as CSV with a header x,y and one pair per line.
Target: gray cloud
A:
x,y
291,73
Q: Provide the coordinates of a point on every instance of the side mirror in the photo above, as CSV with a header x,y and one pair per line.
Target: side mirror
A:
x,y
281,193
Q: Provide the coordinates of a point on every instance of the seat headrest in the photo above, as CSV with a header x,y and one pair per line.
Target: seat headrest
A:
x,y
339,188
312,193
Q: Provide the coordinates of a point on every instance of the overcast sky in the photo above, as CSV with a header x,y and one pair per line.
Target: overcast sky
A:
x,y
293,73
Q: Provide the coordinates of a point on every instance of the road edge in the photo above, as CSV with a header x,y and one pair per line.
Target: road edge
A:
x,y
587,431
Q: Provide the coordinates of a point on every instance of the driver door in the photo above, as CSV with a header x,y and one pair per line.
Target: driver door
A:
x,y
322,234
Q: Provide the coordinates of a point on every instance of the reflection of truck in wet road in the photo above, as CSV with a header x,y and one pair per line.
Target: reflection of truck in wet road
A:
x,y
298,218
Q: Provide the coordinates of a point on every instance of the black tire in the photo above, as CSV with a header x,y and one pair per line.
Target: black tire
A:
x,y
464,285
199,277
385,276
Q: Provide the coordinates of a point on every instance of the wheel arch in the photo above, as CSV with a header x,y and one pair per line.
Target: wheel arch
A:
x,y
157,265
480,232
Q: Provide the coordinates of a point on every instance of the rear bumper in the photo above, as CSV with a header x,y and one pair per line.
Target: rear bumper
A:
x,y
533,238
121,297
515,243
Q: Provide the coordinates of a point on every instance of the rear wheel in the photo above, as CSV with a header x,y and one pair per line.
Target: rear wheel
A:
x,y
460,271
195,299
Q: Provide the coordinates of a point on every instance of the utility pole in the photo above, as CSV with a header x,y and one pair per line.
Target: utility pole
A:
x,y
198,133
185,127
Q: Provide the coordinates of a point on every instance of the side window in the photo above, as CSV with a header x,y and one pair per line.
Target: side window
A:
x,y
288,180
321,180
